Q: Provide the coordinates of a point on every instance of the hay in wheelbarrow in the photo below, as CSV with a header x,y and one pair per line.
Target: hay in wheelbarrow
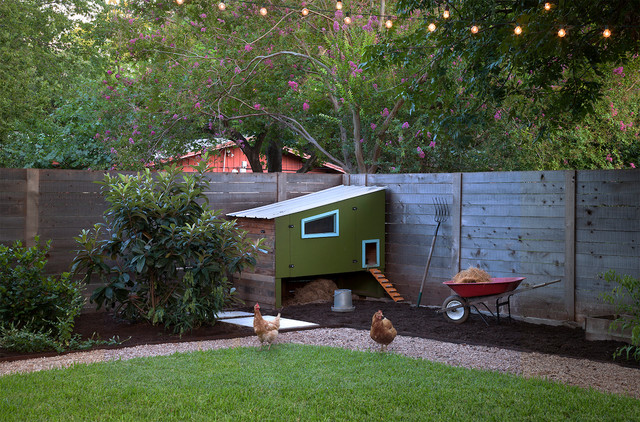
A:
x,y
472,275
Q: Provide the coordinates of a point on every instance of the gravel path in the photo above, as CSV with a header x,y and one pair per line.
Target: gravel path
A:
x,y
606,377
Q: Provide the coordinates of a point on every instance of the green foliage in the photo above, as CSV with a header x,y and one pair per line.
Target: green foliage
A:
x,y
43,50
163,255
626,298
37,312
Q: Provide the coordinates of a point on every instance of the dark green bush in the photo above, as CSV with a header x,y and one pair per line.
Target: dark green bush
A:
x,y
33,305
162,254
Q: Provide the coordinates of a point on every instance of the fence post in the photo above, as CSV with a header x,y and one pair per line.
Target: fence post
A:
x,y
456,221
281,187
32,211
570,244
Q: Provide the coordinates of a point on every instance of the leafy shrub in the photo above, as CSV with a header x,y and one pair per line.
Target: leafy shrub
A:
x,y
41,308
626,298
162,254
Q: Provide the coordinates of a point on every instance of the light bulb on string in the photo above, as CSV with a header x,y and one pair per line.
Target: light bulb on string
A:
x,y
339,5
474,29
179,1
263,11
517,30
547,6
222,6
562,33
446,13
347,19
305,12
606,33
431,27
388,23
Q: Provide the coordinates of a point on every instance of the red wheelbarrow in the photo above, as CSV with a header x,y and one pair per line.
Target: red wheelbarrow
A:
x,y
456,308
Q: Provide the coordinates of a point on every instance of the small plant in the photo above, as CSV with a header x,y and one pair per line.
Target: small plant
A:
x,y
626,298
37,311
162,254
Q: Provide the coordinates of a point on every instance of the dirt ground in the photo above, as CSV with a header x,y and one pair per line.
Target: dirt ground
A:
x,y
408,320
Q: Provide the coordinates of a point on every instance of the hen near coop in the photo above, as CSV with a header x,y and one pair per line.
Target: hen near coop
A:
x,y
267,331
382,330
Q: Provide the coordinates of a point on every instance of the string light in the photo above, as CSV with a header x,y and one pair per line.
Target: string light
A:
x,y
518,30
446,13
179,1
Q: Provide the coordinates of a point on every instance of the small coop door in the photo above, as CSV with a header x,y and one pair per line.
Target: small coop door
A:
x,y
370,253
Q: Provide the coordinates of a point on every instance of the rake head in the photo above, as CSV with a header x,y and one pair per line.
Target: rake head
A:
x,y
442,210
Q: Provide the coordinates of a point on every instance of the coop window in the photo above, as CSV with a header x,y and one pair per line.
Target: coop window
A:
x,y
370,253
321,225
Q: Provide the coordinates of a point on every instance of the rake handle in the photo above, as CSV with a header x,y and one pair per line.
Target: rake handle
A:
x,y
426,270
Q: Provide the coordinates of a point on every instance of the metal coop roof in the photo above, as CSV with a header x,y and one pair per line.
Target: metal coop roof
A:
x,y
306,202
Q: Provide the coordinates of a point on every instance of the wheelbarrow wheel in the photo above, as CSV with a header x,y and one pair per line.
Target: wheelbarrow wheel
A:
x,y
458,315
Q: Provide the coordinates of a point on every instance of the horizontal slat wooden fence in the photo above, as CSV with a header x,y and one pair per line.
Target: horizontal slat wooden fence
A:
x,y
572,225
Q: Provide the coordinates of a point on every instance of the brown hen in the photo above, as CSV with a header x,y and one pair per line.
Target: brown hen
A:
x,y
382,330
267,331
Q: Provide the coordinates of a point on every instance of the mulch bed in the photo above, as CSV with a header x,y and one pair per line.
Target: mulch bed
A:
x,y
410,321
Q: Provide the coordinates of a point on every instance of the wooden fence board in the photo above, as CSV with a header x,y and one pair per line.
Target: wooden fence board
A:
x,y
517,176
514,211
520,222
498,200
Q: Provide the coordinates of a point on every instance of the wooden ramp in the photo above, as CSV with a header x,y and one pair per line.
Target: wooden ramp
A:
x,y
386,284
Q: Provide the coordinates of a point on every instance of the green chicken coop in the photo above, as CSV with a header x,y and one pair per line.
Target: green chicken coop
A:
x,y
337,233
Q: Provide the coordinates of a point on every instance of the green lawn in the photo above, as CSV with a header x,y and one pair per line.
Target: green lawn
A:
x,y
293,382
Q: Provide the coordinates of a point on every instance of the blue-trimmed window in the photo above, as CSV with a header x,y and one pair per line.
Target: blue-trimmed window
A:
x,y
321,225
371,253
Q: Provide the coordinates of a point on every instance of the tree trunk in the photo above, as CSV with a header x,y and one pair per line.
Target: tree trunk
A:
x,y
274,155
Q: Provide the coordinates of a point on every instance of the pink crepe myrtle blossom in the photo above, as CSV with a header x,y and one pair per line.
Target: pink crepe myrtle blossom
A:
x,y
405,125
421,153
432,144
385,112
305,106
624,127
619,71
373,126
197,105
248,47
609,158
257,106
632,165
293,85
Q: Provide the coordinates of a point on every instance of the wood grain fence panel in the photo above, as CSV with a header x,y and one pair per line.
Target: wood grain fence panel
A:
x,y
607,234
